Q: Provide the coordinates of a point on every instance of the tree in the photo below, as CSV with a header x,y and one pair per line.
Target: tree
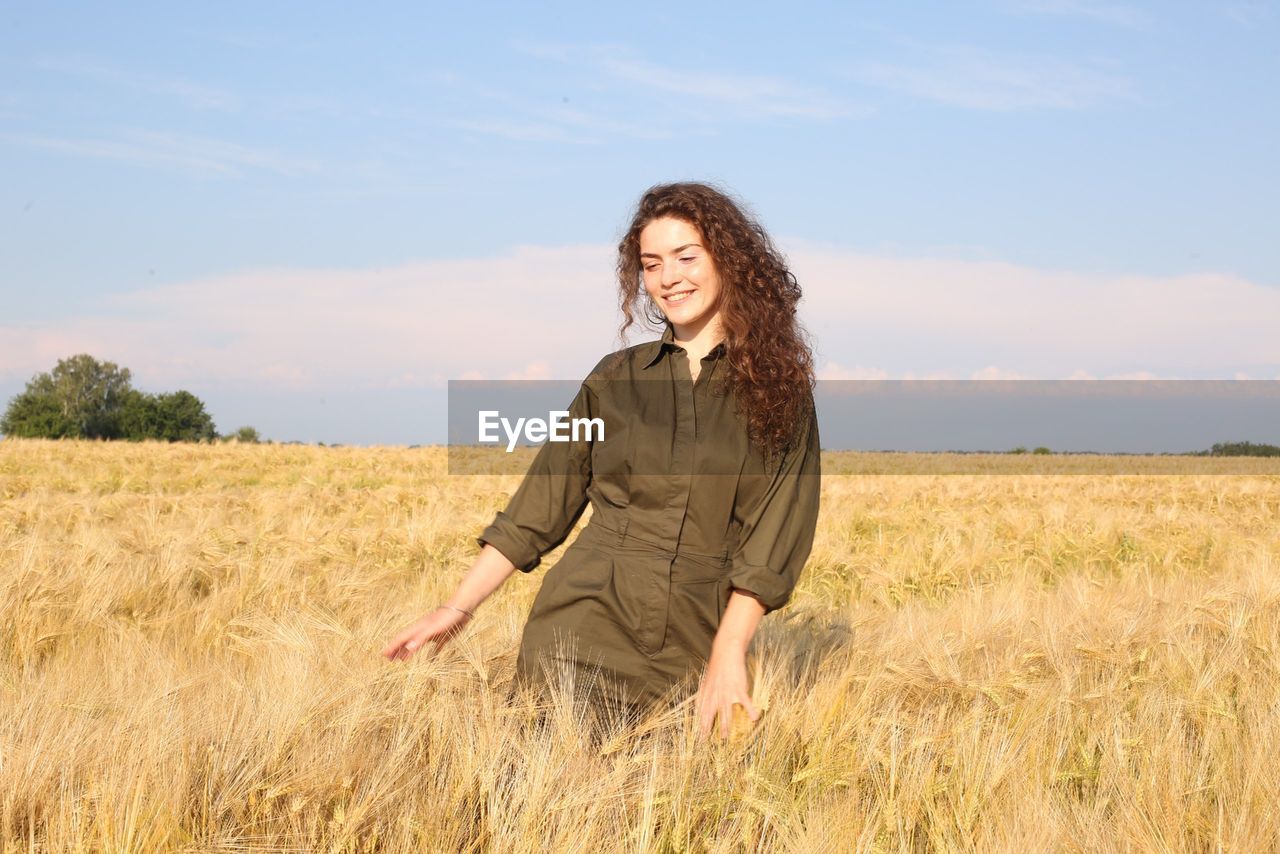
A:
x,y
79,397
32,415
139,416
246,434
182,418
90,393
171,417
85,398
1244,449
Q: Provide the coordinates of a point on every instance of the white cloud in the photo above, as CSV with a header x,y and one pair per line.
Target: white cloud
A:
x,y
1250,13
973,79
192,154
520,131
532,371
1112,13
532,116
928,314
836,371
550,312
739,95
193,94
412,325
1138,375
538,113
758,95
930,375
994,372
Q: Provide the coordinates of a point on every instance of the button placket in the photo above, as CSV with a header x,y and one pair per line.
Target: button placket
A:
x,y
682,466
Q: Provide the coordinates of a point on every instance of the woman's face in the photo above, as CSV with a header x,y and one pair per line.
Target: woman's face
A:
x,y
679,273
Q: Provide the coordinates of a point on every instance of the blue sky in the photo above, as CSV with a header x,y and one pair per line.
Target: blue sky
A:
x,y
312,216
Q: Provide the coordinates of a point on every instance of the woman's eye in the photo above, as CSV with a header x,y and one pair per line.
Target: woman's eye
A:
x,y
690,258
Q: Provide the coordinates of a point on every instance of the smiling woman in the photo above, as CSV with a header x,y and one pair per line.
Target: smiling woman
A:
x,y
705,496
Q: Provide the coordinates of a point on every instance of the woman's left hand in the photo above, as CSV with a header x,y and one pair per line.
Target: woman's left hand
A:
x,y
724,683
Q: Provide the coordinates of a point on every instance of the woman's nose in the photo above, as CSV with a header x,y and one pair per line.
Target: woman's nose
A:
x,y
670,275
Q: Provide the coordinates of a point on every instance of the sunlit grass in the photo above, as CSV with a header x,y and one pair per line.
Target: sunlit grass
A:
x,y
189,659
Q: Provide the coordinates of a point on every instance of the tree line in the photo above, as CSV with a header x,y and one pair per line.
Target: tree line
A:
x,y
1219,449
1241,449
84,398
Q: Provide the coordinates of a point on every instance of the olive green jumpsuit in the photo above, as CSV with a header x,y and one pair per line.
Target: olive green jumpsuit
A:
x,y
684,508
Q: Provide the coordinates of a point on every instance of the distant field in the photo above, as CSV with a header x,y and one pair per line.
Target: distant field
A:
x,y
1016,661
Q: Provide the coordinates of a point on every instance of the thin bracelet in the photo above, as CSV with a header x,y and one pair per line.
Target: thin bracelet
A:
x,y
463,610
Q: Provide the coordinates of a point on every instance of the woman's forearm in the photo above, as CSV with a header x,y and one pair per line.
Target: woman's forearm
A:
x,y
490,569
738,623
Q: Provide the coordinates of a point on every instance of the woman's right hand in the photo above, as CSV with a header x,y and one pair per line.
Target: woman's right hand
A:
x,y
439,626
486,575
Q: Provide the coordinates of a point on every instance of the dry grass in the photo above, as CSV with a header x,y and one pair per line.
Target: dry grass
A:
x,y
189,660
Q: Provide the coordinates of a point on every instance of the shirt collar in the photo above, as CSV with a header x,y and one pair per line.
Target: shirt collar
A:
x,y
667,343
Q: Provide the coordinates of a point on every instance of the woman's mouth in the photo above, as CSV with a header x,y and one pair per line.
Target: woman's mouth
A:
x,y
679,296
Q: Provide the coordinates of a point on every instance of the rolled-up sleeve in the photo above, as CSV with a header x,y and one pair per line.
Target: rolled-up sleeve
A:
x,y
777,531
549,500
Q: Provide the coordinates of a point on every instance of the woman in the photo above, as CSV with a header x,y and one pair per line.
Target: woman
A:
x,y
704,490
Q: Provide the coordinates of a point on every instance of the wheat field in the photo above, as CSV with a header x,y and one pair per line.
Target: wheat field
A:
x,y
1017,661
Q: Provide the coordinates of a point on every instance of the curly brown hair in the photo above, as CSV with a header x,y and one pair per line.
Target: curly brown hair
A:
x,y
770,365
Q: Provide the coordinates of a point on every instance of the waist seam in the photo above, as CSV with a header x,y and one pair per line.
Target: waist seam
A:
x,y
621,537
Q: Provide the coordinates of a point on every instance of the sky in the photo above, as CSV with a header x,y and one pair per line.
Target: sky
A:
x,y
312,216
